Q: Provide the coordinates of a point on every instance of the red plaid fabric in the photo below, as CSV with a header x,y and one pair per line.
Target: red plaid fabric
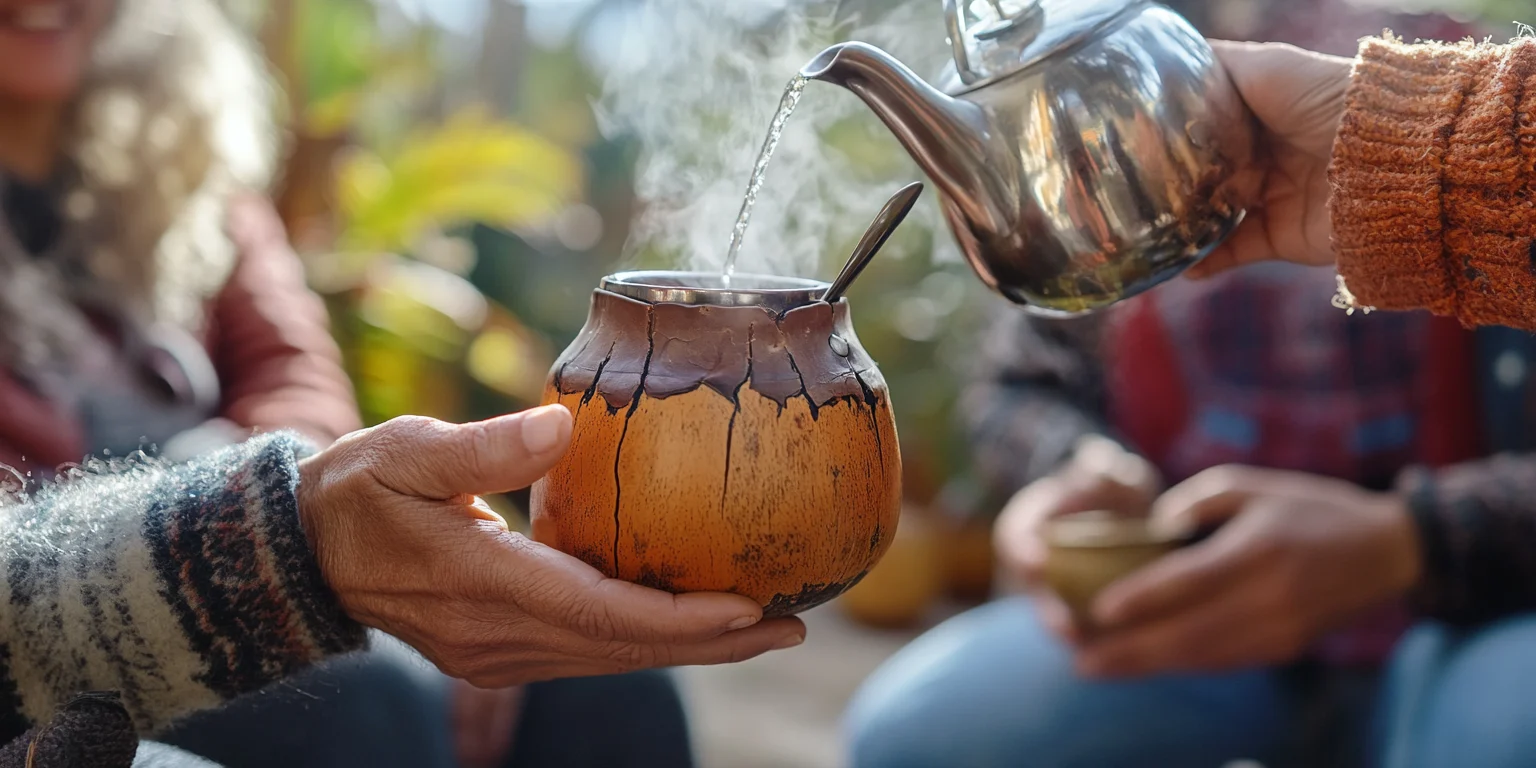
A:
x,y
1256,368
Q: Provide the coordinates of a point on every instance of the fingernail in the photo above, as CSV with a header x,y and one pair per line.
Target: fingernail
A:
x,y
789,642
742,623
544,428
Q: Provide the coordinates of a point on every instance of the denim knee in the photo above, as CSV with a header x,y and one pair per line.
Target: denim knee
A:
x,y
1463,697
925,705
993,688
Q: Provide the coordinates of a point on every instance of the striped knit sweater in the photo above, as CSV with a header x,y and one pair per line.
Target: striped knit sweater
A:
x,y
178,586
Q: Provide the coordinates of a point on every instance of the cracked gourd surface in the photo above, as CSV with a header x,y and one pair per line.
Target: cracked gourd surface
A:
x,y
722,449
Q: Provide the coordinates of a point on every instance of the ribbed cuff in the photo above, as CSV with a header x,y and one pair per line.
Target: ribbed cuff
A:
x,y
1435,595
1475,535
1386,173
1430,174
245,586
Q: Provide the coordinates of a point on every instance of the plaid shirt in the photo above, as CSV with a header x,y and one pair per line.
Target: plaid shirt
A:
x,y
1256,367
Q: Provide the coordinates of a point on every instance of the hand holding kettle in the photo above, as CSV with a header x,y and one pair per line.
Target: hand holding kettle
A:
x,y
1298,98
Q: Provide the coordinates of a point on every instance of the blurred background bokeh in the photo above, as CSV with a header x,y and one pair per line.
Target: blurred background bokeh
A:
x,y
453,191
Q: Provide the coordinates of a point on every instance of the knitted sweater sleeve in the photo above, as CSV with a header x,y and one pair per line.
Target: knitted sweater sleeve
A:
x,y
1434,181
179,586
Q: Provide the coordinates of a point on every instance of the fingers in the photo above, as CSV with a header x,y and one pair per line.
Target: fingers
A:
x,y
1219,261
1055,615
1016,535
1102,475
1178,580
1215,636
633,613
560,658
566,593
438,460
772,635
652,628
1258,67
1211,496
565,619
1187,576
1096,454
1248,244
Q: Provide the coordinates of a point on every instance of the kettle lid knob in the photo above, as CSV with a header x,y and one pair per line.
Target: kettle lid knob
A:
x,y
994,38
1011,17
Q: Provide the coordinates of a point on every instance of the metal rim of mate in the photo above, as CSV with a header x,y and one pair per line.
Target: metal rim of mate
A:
x,y
710,289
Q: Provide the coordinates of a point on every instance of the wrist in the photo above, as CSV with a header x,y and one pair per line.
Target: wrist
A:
x,y
309,478
1404,560
315,515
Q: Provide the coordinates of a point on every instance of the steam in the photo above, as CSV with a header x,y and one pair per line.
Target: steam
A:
x,y
696,82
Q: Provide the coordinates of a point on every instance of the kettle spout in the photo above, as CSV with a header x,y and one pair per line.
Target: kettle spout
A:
x,y
950,139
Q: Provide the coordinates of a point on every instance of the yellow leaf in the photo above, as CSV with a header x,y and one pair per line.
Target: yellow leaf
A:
x,y
470,168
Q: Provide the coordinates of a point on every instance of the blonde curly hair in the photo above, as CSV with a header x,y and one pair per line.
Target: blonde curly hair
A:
x,y
176,116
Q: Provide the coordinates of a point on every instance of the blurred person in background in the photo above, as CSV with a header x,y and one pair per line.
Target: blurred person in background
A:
x,y
1349,459
148,297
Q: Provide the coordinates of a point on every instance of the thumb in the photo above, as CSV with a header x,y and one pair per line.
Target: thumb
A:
x,y
492,456
1210,497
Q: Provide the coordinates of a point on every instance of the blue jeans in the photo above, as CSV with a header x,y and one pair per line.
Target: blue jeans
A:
x,y
993,689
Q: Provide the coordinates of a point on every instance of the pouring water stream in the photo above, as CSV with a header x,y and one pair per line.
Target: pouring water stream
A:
x,y
787,103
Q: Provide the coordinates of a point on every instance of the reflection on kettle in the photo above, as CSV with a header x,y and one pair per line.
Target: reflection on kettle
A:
x,y
1085,150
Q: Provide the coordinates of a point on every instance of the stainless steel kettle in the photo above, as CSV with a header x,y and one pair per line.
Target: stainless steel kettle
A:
x,y
1085,150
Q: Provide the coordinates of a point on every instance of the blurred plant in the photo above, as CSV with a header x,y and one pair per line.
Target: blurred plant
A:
x,y
372,167
345,66
472,168
337,62
378,179
420,337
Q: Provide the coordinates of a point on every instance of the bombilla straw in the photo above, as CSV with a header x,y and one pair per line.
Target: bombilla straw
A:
x,y
874,238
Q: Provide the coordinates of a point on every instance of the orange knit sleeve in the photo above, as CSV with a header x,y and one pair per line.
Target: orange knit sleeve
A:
x,y
1434,180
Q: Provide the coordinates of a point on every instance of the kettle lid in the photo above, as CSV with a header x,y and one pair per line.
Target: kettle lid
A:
x,y
994,38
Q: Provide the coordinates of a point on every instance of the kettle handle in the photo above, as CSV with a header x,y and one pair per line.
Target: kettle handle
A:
x,y
954,16
960,30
